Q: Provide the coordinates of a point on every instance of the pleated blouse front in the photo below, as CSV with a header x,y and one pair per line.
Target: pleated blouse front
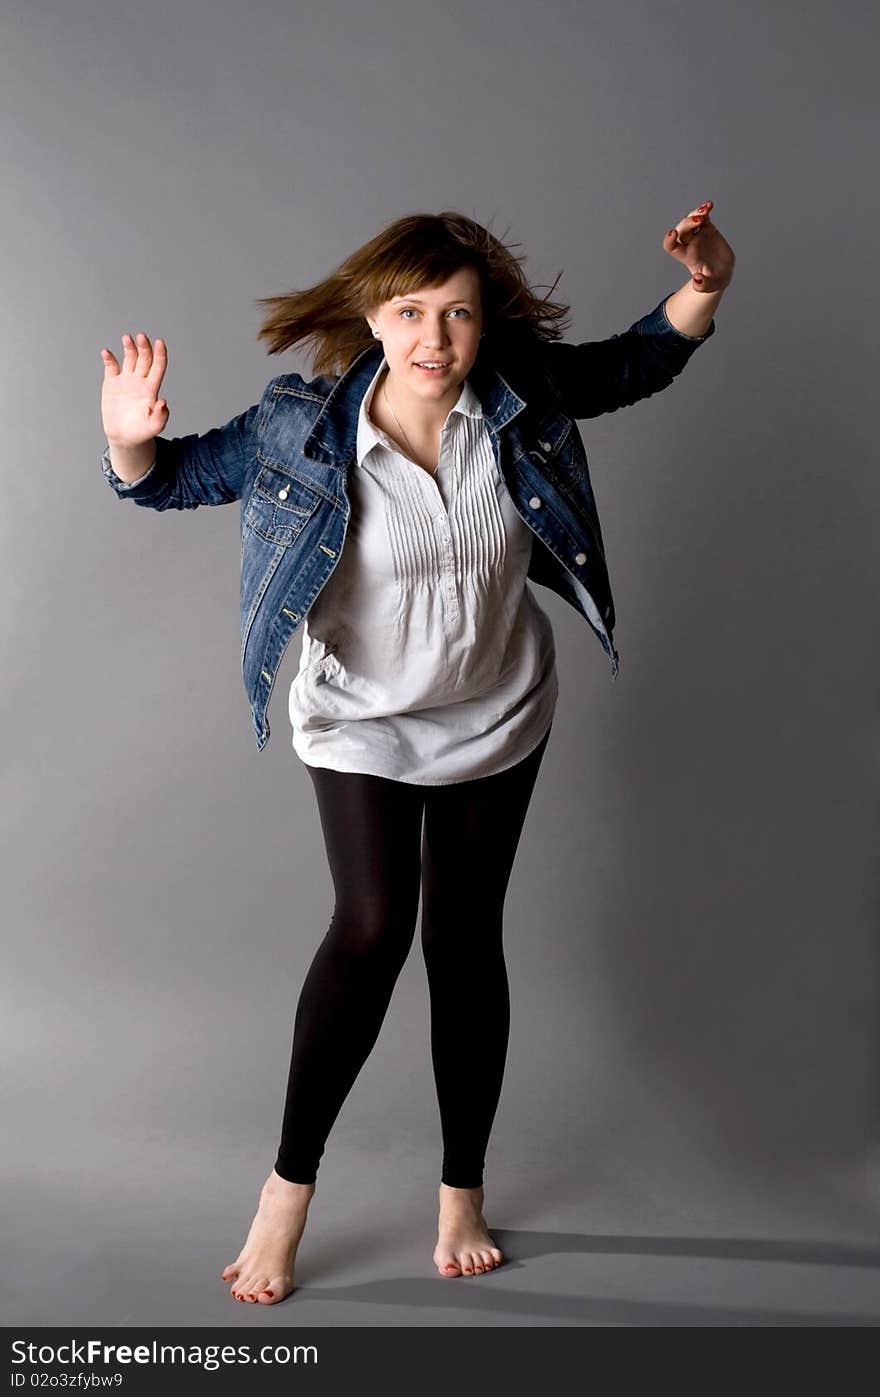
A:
x,y
426,656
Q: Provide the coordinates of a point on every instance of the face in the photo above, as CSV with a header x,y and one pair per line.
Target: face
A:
x,y
434,323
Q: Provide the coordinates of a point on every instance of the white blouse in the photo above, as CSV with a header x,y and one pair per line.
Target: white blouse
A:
x,y
426,656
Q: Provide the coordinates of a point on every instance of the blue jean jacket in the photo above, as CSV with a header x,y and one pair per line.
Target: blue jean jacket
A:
x,y
287,460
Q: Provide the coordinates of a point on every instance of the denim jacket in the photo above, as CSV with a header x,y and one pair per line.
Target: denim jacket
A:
x,y
287,459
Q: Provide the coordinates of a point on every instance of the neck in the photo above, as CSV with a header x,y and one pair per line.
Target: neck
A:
x,y
419,418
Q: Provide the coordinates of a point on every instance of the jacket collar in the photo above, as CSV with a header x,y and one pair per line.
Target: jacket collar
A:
x,y
333,436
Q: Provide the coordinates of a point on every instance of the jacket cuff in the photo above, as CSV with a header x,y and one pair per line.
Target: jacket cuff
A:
x,y
658,323
126,488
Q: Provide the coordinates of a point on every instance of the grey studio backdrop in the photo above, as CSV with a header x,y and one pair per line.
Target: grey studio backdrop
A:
x,y
691,922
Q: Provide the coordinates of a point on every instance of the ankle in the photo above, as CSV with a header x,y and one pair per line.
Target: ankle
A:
x,y
451,1194
276,1184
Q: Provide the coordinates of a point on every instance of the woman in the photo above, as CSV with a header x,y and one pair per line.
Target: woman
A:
x,y
394,507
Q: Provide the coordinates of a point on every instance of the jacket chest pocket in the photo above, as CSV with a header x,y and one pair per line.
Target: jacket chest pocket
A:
x,y
280,505
558,454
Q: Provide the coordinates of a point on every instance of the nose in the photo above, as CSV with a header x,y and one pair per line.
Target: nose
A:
x,y
435,334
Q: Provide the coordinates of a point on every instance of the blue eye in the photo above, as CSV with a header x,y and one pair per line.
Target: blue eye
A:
x,y
458,310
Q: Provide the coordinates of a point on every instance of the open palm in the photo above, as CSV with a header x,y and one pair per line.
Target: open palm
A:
x,y
131,411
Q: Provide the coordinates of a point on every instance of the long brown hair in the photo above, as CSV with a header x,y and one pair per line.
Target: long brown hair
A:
x,y
418,250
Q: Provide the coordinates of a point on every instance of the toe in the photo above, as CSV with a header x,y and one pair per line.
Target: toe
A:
x,y
230,1272
467,1263
486,1257
274,1290
497,1255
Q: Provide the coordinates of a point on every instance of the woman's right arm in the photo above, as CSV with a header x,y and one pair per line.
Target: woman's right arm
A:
x,y
161,472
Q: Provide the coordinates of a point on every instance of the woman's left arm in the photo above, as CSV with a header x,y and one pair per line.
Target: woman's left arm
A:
x,y
599,376
708,256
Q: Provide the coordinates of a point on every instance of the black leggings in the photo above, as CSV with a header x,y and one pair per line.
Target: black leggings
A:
x,y
372,829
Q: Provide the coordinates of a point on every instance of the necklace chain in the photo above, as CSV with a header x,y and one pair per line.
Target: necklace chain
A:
x,y
394,414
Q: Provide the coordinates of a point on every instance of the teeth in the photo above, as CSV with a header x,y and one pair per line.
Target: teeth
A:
x,y
432,366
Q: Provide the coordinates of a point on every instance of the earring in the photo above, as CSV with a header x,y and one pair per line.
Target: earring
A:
x,y
376,335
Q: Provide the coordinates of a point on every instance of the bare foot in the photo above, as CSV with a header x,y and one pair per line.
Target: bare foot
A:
x,y
464,1246
263,1270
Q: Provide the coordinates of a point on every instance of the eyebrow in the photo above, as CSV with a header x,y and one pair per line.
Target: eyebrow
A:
x,y
459,301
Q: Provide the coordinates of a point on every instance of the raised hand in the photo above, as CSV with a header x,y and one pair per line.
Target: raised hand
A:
x,y
131,412
699,246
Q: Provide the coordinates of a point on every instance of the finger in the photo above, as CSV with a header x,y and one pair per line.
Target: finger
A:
x,y
129,357
111,367
689,228
695,220
144,356
160,363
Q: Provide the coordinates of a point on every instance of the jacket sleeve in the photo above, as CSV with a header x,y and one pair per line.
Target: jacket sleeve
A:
x,y
193,470
604,375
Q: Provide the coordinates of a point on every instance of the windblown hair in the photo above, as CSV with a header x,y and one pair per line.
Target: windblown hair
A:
x,y
416,251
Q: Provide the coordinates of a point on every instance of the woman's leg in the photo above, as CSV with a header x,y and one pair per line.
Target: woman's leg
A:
x,y
372,828
372,831
471,834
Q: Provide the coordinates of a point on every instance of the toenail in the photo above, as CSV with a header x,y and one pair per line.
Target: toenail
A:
x,y
270,1293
